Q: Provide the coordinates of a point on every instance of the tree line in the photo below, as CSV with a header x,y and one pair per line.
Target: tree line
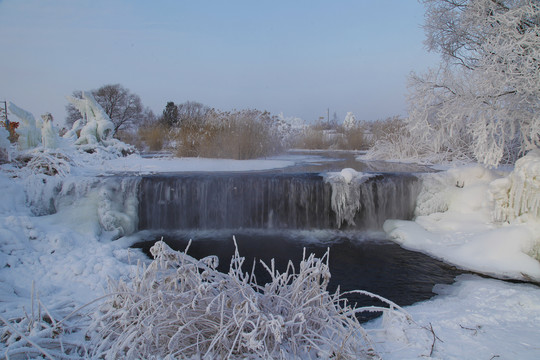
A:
x,y
189,128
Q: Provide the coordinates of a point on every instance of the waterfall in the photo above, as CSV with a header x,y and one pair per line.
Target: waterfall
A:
x,y
269,200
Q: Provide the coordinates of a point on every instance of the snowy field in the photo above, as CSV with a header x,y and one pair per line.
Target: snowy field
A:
x,y
56,263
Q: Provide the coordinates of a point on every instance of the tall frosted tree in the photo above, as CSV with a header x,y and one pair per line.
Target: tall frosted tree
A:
x,y
484,101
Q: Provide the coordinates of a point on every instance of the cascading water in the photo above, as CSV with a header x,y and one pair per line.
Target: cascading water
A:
x,y
279,201
274,216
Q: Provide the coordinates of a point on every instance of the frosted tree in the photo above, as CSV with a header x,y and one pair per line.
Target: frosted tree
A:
x,y
349,122
484,102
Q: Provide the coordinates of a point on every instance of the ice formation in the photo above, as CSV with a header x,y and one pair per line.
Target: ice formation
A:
x,y
94,133
4,145
117,209
49,137
346,195
99,127
29,130
518,194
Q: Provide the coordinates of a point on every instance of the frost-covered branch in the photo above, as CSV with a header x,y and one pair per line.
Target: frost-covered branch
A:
x,y
488,107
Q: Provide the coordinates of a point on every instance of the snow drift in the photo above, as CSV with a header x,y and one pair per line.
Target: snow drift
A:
x,y
474,218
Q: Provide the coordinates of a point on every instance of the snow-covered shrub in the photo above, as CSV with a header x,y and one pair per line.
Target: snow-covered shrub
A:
x,y
41,335
392,140
182,307
48,162
518,194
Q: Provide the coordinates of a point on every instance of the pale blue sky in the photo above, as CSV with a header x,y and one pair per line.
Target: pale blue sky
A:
x,y
295,57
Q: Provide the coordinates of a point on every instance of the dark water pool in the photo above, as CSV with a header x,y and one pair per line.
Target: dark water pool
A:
x,y
358,260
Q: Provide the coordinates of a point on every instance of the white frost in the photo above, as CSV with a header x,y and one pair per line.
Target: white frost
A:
x,y
518,195
346,194
349,122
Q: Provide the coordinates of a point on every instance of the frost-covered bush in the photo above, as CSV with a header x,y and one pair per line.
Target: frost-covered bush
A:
x,y
519,193
180,307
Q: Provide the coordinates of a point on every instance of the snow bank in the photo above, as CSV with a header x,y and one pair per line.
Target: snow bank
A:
x,y
474,318
454,221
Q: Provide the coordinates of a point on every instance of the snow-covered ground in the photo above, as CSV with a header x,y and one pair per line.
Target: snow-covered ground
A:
x,y
56,263
478,220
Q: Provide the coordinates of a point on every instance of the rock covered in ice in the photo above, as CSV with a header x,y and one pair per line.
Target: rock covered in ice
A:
x,y
518,194
29,130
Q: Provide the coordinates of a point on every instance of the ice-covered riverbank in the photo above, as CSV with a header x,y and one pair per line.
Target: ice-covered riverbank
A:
x,y
64,260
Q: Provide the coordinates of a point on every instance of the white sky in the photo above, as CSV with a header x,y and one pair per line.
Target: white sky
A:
x,y
295,57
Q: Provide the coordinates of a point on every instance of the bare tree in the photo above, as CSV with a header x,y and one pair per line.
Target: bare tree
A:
x,y
192,112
